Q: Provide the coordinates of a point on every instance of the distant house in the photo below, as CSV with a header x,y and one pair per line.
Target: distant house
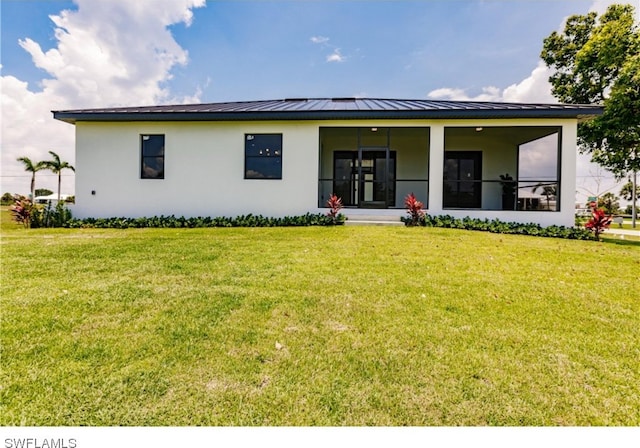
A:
x,y
52,198
285,157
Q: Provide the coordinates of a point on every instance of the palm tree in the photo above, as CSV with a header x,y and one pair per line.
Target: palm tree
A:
x,y
548,190
32,168
56,166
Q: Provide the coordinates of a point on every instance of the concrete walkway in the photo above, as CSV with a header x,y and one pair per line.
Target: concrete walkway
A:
x,y
613,230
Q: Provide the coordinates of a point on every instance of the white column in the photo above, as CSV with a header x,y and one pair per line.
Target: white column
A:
x,y
568,174
436,169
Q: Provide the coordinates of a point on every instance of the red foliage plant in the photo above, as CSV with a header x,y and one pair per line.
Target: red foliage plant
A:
x,y
335,205
21,210
599,222
414,209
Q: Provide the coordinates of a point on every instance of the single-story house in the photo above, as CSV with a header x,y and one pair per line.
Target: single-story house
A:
x,y
286,157
52,198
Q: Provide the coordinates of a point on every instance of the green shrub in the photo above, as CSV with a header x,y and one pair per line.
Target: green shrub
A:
x,y
497,226
172,221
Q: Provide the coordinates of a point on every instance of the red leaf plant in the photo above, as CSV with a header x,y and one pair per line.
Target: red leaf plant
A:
x,y
335,205
414,209
599,222
21,210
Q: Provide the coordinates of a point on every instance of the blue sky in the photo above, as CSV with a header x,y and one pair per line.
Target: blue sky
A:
x,y
263,49
125,52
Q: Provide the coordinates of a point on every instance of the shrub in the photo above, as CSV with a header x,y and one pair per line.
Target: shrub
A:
x,y
414,210
21,210
599,222
249,220
497,226
35,216
335,205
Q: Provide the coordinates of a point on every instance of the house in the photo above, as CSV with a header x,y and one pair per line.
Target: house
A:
x,y
51,199
285,157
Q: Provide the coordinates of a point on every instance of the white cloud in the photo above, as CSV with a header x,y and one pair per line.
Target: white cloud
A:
x,y
107,53
533,89
319,39
336,56
454,94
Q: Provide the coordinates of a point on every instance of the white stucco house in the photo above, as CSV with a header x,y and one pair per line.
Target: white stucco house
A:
x,y
285,157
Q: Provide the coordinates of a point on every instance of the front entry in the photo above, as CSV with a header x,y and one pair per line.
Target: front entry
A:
x,y
365,178
462,179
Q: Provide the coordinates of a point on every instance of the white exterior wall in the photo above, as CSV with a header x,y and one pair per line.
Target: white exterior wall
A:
x,y
204,169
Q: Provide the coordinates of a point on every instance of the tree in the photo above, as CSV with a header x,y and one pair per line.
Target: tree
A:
x,y
598,61
610,203
56,166
32,168
549,191
626,192
7,199
43,192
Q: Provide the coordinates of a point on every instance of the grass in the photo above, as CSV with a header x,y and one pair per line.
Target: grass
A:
x,y
317,326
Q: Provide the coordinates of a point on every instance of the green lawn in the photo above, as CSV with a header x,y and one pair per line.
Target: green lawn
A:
x,y
317,326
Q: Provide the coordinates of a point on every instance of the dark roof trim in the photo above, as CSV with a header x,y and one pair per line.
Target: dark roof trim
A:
x,y
330,109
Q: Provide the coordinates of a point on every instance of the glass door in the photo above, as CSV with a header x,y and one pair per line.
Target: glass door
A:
x,y
365,178
462,179
376,178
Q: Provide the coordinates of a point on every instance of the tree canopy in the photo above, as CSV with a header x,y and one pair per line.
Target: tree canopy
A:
x,y
33,168
597,61
56,165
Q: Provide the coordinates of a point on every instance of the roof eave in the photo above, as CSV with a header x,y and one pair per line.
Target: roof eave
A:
x,y
72,117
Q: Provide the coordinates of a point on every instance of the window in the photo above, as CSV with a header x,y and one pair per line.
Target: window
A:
x,y
152,166
263,156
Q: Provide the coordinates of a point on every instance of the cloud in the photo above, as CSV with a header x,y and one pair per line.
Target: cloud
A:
x,y
455,94
319,39
336,56
106,53
533,89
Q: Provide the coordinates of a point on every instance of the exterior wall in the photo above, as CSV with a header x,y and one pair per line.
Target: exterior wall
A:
x,y
204,169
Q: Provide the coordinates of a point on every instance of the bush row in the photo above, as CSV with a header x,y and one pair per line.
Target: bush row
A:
x,y
497,226
172,221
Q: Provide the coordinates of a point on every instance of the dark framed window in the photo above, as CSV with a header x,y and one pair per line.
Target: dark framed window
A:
x,y
263,156
152,154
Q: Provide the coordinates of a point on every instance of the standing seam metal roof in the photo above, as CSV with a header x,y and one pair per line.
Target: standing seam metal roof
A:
x,y
330,108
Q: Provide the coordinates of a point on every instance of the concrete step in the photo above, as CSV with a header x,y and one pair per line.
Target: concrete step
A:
x,y
373,220
351,222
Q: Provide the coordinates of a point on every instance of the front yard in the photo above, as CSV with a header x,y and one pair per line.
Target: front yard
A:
x,y
317,326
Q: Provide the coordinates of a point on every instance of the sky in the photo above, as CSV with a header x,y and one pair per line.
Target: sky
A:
x,y
70,54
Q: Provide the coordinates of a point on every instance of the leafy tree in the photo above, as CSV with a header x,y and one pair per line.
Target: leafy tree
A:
x,y
43,192
629,210
32,168
597,60
626,192
609,202
7,199
56,166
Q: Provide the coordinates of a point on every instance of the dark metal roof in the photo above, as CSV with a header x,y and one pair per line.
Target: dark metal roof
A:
x,y
330,109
